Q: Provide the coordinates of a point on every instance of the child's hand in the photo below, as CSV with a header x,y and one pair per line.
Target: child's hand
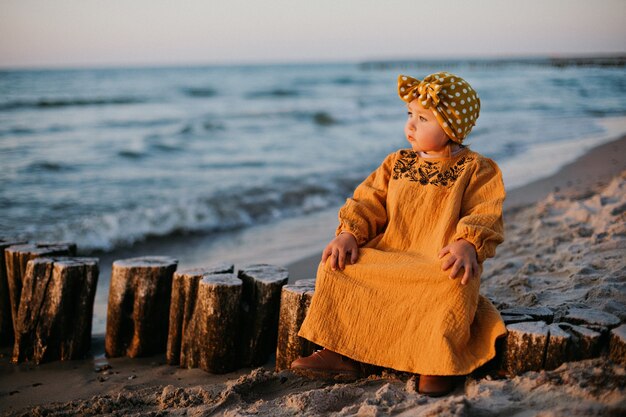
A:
x,y
462,255
338,249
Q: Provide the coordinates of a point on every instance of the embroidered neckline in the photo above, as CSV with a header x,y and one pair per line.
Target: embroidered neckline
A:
x,y
428,172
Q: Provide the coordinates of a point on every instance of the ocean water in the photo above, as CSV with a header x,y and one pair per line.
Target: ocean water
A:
x,y
110,157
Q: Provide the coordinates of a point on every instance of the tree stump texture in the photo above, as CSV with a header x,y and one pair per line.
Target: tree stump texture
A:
x,y
524,347
16,258
139,305
6,318
210,338
260,304
184,295
586,343
55,309
294,304
617,345
559,347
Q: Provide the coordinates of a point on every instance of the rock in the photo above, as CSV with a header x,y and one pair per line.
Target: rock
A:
x,y
559,345
591,317
524,347
537,313
617,345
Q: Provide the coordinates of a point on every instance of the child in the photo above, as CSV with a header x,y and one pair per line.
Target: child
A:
x,y
383,295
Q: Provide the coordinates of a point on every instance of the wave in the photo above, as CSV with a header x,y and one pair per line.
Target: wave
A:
x,y
24,131
43,104
220,212
139,123
48,166
348,80
131,154
201,127
275,93
230,165
322,118
199,91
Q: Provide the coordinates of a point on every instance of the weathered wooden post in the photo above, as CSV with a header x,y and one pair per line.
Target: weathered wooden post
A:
x,y
260,304
184,295
6,318
617,345
295,300
210,339
559,347
55,309
139,304
524,347
16,258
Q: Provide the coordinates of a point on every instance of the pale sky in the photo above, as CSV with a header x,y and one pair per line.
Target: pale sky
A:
x,y
61,33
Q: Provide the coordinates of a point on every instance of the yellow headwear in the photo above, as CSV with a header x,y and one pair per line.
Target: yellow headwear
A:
x,y
452,100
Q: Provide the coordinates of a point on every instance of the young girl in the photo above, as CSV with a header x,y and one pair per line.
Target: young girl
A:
x,y
398,285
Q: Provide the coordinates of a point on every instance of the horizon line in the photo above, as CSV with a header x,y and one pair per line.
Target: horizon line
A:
x,y
620,56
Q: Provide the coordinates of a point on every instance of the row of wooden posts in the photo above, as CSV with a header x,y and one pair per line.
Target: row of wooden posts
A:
x,y
208,317
217,320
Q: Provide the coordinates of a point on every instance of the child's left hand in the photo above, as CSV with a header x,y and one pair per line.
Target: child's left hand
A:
x,y
462,255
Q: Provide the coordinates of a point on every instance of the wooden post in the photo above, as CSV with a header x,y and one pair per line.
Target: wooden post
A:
x,y
139,304
209,339
6,319
559,347
55,309
617,345
260,303
524,347
184,294
17,257
294,304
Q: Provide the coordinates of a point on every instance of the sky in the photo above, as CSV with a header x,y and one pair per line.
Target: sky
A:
x,y
91,33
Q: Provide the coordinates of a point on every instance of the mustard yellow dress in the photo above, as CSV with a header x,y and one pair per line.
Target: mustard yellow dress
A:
x,y
395,307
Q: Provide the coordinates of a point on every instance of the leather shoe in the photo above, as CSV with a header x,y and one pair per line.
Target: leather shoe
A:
x,y
326,363
435,386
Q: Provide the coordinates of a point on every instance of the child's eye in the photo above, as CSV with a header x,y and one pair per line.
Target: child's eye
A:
x,y
423,119
409,113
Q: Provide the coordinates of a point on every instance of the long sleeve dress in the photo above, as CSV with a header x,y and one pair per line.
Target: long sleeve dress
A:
x,y
395,307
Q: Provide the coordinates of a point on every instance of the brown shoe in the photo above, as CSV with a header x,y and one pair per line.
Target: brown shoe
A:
x,y
435,386
326,363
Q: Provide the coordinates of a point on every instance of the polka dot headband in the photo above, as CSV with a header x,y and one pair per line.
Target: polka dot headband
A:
x,y
452,100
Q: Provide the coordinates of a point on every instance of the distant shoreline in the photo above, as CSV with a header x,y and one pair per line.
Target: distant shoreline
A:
x,y
600,60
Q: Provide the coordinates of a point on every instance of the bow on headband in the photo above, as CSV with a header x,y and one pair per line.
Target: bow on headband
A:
x,y
411,88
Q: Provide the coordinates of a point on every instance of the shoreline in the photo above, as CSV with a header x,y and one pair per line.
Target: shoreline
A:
x,y
139,381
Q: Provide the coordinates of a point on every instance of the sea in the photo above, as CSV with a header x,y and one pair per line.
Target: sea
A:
x,y
251,162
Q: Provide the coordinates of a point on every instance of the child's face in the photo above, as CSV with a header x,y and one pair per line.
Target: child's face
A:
x,y
423,131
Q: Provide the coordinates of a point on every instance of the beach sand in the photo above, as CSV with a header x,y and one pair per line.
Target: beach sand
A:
x,y
566,239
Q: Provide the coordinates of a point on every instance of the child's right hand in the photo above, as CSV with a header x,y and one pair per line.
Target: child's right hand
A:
x,y
339,248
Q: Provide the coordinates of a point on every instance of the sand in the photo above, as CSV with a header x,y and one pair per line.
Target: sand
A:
x,y
566,239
